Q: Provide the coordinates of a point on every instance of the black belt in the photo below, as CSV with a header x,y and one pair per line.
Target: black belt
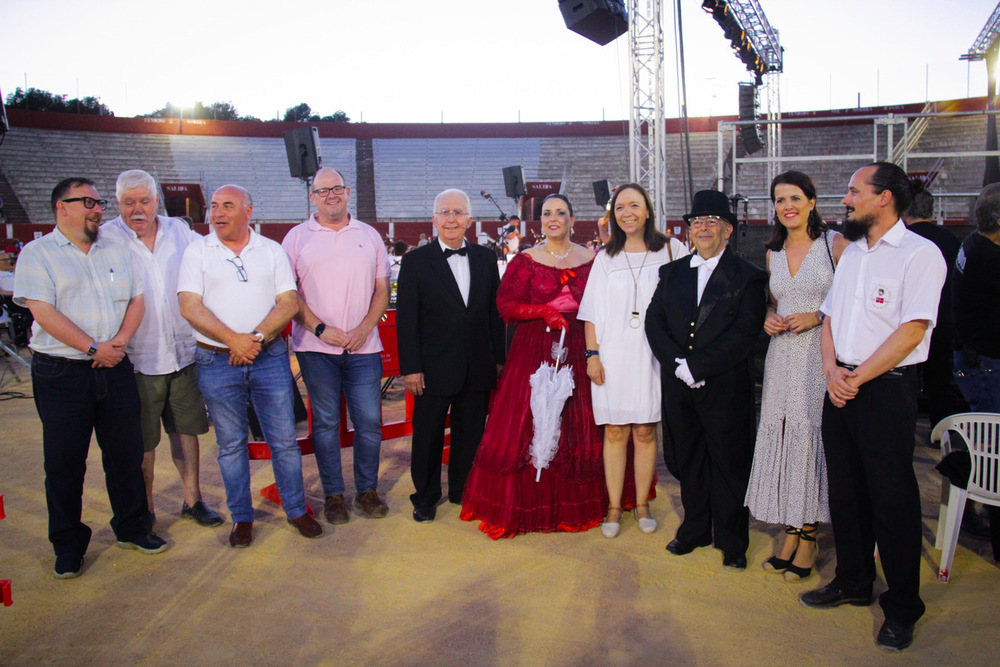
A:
x,y
897,372
63,360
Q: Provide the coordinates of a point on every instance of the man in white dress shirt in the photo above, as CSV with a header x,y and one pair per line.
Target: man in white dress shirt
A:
x,y
162,349
879,315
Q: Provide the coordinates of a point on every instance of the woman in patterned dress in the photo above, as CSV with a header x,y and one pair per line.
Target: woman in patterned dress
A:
x,y
788,480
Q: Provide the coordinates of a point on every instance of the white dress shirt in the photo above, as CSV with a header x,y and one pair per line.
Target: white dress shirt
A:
x,y
876,290
460,269
705,268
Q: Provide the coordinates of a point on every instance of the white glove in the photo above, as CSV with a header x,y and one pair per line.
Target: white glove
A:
x,y
683,373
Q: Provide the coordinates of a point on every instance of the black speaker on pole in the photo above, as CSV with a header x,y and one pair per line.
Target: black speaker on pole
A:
x,y
513,181
600,21
749,108
602,192
302,146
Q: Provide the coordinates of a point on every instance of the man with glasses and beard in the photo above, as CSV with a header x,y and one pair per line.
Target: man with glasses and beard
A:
x,y
87,303
879,315
237,290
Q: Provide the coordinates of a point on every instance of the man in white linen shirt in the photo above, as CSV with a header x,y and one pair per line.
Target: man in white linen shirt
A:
x,y
162,349
879,315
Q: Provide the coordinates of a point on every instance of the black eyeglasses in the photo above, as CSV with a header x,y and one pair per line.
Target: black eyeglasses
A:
x,y
337,190
88,202
241,271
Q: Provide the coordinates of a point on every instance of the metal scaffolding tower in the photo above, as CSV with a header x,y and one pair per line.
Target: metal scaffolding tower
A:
x,y
647,132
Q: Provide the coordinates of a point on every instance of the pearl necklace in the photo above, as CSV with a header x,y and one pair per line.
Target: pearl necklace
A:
x,y
559,257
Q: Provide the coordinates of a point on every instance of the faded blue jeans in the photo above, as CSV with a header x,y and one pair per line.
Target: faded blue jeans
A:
x,y
267,382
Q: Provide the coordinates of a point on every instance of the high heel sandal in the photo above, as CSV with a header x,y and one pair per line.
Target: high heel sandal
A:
x,y
610,528
646,524
793,572
776,565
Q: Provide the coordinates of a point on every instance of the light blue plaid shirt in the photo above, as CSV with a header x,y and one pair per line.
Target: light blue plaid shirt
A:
x,y
91,289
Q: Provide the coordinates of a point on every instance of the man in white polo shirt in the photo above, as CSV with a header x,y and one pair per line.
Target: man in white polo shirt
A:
x,y
237,291
879,315
342,272
162,349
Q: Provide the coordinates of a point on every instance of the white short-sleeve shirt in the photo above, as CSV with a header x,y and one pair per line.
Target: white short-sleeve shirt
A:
x,y
210,270
876,290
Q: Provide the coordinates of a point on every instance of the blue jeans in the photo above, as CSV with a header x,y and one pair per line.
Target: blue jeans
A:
x,y
266,382
979,384
359,377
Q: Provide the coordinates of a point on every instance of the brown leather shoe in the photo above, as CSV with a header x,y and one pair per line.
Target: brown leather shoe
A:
x,y
242,534
335,509
370,504
307,526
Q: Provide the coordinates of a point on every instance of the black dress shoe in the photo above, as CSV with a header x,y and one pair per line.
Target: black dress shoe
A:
x,y
834,594
679,547
734,560
424,514
894,635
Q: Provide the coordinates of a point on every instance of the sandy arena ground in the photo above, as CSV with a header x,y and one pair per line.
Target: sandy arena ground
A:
x,y
394,592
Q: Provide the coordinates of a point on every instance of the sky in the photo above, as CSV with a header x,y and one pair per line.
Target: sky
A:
x,y
460,61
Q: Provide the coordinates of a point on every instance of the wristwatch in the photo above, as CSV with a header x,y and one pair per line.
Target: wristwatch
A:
x,y
591,353
93,349
257,336
320,328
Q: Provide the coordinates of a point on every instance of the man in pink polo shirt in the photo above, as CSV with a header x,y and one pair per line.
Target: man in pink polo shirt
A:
x,y
342,272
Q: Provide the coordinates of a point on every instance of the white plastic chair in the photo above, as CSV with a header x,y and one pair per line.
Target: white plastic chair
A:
x,y
981,431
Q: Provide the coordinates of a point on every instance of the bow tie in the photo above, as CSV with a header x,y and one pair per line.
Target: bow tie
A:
x,y
697,261
461,251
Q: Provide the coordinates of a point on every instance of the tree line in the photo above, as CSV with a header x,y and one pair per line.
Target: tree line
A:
x,y
35,99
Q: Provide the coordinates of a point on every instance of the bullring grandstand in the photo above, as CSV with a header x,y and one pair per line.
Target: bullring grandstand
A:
x,y
396,169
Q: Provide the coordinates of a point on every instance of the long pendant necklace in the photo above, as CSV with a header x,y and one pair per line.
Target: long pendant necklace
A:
x,y
557,256
634,320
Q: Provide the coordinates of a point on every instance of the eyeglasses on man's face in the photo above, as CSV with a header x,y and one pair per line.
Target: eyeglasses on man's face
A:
x,y
709,221
88,202
322,192
458,213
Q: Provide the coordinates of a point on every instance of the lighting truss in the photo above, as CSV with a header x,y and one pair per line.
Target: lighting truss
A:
x,y
647,152
987,37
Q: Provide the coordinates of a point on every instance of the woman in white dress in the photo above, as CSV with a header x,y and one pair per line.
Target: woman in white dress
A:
x,y
788,479
625,377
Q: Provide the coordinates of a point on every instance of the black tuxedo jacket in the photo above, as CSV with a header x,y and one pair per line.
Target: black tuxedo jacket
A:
x,y
716,336
438,334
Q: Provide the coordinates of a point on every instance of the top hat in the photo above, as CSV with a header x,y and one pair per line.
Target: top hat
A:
x,y
710,202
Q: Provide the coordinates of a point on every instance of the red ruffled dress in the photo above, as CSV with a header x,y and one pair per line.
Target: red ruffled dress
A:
x,y
501,492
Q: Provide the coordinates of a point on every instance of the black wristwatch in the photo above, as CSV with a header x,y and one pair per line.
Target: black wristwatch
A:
x,y
320,328
591,353
93,349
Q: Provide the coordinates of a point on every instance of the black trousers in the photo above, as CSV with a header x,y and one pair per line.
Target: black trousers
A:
x,y
938,380
708,440
74,402
468,420
874,497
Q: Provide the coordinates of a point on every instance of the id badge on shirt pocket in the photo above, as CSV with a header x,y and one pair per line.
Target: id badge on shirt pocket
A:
x,y
884,294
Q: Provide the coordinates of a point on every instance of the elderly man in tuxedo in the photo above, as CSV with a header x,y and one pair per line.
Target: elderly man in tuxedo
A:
x,y
706,313
451,348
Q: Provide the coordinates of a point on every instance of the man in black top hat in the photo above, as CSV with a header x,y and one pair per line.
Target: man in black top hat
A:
x,y
705,315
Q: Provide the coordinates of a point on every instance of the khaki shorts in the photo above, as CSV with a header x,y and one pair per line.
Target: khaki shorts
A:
x,y
173,398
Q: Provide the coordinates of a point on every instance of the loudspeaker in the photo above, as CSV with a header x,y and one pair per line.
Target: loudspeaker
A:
x,y
751,139
602,192
600,21
302,146
513,181
748,101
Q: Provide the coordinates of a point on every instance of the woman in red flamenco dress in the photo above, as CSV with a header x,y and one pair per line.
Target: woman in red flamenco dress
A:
x,y
541,291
